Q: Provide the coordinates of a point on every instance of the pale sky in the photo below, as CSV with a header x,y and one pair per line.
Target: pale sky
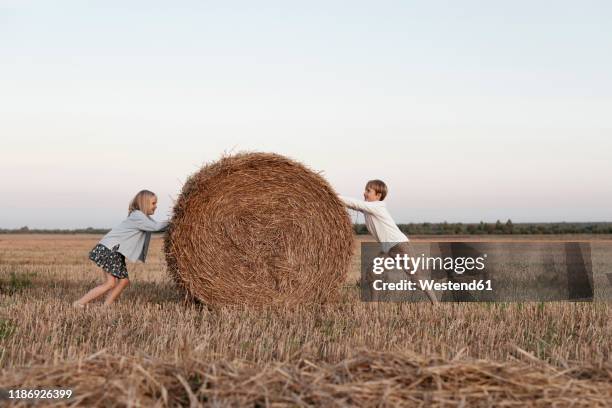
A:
x,y
471,110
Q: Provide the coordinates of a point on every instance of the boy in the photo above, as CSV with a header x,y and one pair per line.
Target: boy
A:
x,y
380,224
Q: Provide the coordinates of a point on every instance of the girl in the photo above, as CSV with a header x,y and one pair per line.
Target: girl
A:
x,y
129,239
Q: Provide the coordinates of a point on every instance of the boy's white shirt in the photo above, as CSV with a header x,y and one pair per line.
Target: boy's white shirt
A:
x,y
378,221
133,235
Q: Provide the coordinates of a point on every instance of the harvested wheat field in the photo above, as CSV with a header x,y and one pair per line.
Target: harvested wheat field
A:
x,y
152,349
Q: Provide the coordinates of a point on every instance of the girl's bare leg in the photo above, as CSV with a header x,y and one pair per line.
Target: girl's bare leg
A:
x,y
123,283
99,290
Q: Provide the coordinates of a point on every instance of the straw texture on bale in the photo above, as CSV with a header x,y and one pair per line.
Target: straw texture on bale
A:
x,y
258,229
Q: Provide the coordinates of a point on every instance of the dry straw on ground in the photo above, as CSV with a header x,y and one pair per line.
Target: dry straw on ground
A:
x,y
159,352
368,379
258,229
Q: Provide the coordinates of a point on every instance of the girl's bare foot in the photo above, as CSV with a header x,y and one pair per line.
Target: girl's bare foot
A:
x,y
77,305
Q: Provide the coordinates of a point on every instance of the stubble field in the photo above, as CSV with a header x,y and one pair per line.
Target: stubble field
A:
x,y
151,348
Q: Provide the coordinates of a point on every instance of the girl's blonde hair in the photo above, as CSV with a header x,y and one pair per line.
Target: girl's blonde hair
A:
x,y
141,201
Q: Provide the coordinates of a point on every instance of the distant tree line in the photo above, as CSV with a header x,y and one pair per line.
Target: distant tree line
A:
x,y
425,228
508,227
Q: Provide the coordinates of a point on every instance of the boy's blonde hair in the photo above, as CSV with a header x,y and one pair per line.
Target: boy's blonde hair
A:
x,y
379,187
141,201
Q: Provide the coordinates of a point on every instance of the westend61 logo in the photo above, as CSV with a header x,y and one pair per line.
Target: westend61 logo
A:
x,y
413,265
478,271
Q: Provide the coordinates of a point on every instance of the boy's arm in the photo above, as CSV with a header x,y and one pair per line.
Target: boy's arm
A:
x,y
359,205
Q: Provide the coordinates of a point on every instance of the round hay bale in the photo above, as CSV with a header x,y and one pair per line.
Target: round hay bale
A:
x,y
258,229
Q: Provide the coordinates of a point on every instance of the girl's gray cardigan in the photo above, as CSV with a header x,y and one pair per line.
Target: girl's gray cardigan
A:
x,y
133,235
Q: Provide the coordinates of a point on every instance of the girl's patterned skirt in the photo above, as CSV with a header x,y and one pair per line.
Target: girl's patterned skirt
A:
x,y
110,260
